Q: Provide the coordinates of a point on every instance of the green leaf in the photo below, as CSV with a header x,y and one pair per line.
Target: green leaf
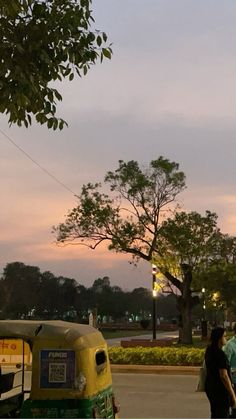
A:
x,y
107,53
55,123
99,40
85,70
104,36
57,94
50,122
61,125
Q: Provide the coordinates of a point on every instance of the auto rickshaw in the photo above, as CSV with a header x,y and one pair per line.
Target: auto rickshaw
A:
x,y
71,375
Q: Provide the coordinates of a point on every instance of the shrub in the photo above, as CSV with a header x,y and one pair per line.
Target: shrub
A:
x,y
156,356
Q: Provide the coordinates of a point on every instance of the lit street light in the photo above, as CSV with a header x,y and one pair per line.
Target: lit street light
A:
x,y
204,303
204,321
154,301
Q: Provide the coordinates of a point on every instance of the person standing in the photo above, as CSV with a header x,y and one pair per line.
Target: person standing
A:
x,y
230,351
219,389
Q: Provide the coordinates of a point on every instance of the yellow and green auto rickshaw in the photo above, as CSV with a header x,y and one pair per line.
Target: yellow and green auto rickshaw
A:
x,y
71,375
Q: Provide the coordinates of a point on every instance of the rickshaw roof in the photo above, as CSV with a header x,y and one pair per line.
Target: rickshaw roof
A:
x,y
47,329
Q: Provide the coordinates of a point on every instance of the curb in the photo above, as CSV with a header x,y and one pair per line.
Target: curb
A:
x,y
155,369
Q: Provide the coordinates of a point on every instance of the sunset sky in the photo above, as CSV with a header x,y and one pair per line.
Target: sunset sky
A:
x,y
170,89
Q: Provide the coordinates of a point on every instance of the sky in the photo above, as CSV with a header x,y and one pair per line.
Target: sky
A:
x,y
170,89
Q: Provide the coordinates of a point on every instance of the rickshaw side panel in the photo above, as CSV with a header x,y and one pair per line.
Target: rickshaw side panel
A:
x,y
70,408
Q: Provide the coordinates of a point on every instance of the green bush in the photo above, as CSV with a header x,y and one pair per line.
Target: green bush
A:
x,y
156,356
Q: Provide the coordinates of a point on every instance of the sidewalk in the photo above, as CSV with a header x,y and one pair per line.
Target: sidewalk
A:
x,y
155,369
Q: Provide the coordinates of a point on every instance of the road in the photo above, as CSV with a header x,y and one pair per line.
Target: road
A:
x,y
155,395
159,396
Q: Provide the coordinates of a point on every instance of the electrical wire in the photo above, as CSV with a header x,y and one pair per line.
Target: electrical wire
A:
x,y
37,164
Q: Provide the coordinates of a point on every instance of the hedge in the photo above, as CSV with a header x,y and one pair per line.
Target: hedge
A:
x,y
156,356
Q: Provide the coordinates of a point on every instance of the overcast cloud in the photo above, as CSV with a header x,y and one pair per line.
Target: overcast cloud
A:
x,y
170,89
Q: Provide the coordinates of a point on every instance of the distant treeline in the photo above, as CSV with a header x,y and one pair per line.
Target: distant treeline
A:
x,y
26,292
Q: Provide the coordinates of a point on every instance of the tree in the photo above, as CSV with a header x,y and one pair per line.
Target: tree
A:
x,y
19,285
43,42
101,284
220,275
57,297
140,303
48,306
107,300
188,242
68,290
25,292
128,220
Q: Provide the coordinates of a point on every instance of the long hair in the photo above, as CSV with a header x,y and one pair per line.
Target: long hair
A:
x,y
216,335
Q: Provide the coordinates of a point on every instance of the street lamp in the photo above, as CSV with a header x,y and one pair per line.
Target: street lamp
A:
x,y
204,322
215,299
154,301
204,303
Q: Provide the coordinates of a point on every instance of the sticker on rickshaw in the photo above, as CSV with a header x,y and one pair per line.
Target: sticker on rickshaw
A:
x,y
57,368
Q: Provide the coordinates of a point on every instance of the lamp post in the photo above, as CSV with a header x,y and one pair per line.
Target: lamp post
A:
x,y
215,300
204,303
154,301
204,321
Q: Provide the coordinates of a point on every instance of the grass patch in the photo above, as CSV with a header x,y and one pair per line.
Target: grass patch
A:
x,y
113,334
197,343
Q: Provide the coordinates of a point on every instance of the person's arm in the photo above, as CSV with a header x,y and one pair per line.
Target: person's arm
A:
x,y
228,385
228,351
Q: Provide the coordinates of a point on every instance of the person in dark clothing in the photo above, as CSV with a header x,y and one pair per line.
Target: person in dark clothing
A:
x,y
219,389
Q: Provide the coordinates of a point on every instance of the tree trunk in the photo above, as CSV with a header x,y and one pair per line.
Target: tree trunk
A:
x,y
187,324
185,307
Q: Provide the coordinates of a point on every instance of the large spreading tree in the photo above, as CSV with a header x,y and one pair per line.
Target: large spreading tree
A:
x,y
135,219
43,42
129,219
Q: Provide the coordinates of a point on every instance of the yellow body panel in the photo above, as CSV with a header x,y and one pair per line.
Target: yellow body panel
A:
x,y
85,349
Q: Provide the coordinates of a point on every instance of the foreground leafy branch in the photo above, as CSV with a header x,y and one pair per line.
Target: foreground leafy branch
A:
x,y
43,42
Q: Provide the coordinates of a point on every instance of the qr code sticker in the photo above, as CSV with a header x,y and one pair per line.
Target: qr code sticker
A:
x,y
57,373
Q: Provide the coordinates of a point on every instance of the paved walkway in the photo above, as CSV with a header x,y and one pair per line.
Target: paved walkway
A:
x,y
159,396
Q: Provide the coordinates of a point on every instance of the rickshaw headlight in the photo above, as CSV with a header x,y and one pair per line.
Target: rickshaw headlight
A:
x,y
80,382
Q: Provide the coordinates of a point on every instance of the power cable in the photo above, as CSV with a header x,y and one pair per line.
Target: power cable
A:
x,y
37,164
